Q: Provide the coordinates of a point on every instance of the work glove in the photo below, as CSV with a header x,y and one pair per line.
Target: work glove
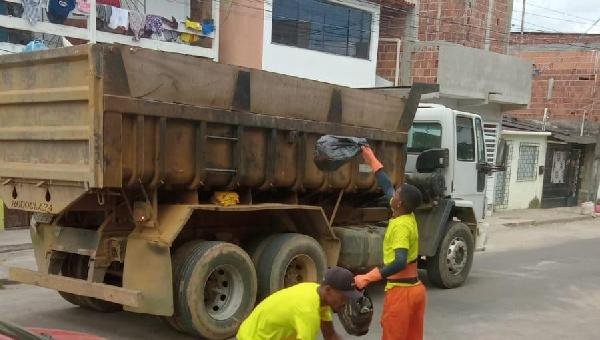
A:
x,y
370,159
361,281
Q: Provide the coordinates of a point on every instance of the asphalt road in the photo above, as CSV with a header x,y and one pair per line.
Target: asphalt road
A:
x,y
538,282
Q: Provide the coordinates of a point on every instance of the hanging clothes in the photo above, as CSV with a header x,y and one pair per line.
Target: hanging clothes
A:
x,y
58,10
136,23
83,6
32,11
193,25
114,3
103,13
119,18
154,24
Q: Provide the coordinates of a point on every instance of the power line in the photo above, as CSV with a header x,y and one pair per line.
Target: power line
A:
x,y
560,12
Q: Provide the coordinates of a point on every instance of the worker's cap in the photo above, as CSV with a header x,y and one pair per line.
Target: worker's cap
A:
x,y
342,280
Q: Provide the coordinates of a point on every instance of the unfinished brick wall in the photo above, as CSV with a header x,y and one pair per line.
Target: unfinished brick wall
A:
x,y
539,38
576,88
425,65
465,22
392,24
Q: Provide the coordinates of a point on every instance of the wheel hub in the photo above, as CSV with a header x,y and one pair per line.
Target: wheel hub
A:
x,y
301,268
456,258
223,292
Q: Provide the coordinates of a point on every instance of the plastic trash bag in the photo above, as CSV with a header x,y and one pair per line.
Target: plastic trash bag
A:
x,y
35,45
331,152
356,316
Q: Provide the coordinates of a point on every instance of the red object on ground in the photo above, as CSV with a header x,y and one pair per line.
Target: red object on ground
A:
x,y
403,313
59,334
597,209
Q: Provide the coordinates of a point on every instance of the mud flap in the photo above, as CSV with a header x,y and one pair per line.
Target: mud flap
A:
x,y
148,270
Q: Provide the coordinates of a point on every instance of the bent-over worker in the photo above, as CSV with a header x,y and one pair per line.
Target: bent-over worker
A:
x,y
297,312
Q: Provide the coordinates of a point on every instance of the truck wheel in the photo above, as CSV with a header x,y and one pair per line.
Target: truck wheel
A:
x,y
68,270
215,290
78,268
288,259
177,260
450,267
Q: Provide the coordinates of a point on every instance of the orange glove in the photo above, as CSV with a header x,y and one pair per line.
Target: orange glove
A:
x,y
361,281
370,158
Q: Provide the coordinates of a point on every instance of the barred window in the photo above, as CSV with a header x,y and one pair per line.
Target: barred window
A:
x,y
528,161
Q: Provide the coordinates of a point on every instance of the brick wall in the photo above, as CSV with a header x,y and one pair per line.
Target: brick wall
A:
x,y
425,65
464,22
538,38
394,14
576,86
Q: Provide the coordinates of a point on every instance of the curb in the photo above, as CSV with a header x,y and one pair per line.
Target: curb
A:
x,y
545,222
15,247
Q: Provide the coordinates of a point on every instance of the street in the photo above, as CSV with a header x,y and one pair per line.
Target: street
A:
x,y
532,282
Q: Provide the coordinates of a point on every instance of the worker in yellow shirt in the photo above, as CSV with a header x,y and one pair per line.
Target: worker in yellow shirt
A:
x,y
405,296
298,312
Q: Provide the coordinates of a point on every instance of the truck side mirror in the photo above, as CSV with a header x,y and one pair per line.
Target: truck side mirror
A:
x,y
501,155
432,159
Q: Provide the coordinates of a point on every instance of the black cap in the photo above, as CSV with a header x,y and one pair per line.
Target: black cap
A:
x,y
342,279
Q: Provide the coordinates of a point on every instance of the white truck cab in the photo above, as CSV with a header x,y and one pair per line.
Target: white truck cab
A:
x,y
438,127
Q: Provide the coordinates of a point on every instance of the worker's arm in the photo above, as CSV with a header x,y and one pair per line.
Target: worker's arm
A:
x,y
328,331
382,179
397,265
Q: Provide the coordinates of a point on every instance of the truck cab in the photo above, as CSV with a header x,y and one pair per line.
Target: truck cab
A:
x,y
461,133
446,159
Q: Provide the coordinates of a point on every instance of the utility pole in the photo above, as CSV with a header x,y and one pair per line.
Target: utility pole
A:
x,y
522,20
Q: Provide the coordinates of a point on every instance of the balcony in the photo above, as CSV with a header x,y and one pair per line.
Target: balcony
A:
x,y
84,28
473,75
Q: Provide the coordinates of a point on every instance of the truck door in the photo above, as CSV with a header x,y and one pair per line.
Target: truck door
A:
x,y
467,184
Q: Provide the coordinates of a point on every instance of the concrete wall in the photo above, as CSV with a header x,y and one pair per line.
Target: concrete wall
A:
x,y
473,73
521,193
321,66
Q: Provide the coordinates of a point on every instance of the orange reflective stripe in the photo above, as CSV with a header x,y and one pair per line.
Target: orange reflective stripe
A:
x,y
409,271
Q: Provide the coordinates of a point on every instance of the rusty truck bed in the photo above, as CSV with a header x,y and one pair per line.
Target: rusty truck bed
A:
x,y
97,117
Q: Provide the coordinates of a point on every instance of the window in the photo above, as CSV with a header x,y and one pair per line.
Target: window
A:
x,y
465,139
481,155
528,160
424,136
322,26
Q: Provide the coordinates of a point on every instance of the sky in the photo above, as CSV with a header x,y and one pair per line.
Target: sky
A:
x,y
570,16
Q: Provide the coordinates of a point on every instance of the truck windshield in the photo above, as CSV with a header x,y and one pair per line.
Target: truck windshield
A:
x,y
424,136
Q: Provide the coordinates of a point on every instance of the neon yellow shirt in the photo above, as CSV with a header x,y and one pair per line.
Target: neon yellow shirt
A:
x,y
293,313
401,232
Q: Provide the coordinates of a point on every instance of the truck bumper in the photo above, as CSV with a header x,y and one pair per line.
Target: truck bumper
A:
x,y
123,296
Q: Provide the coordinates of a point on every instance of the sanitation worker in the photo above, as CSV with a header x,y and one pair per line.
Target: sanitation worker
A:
x,y
405,296
298,312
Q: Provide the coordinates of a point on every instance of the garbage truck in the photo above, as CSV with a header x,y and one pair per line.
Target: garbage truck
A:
x,y
184,188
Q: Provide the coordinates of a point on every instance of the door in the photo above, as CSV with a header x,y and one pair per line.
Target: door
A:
x,y
469,178
561,176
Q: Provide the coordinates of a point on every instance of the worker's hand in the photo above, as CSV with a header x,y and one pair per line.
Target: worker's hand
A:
x,y
362,281
370,158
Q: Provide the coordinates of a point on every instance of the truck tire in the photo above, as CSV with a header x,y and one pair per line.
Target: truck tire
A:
x,y
178,258
68,270
215,290
78,268
288,259
450,266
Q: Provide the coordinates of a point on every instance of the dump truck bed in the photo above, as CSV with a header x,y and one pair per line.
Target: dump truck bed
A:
x,y
100,117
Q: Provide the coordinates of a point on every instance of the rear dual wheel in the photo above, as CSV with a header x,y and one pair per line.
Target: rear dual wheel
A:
x,y
283,260
214,288
76,266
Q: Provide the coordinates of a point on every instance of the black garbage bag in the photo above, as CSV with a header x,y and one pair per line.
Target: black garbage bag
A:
x,y
356,316
333,151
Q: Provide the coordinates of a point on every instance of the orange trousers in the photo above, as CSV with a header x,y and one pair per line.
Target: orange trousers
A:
x,y
403,313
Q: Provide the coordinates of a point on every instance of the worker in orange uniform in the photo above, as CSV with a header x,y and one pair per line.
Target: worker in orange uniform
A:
x,y
297,312
405,295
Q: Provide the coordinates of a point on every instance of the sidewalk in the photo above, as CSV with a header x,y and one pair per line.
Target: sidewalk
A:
x,y
531,217
14,240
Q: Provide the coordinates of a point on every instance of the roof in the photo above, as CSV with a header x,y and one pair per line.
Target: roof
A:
x,y
558,133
